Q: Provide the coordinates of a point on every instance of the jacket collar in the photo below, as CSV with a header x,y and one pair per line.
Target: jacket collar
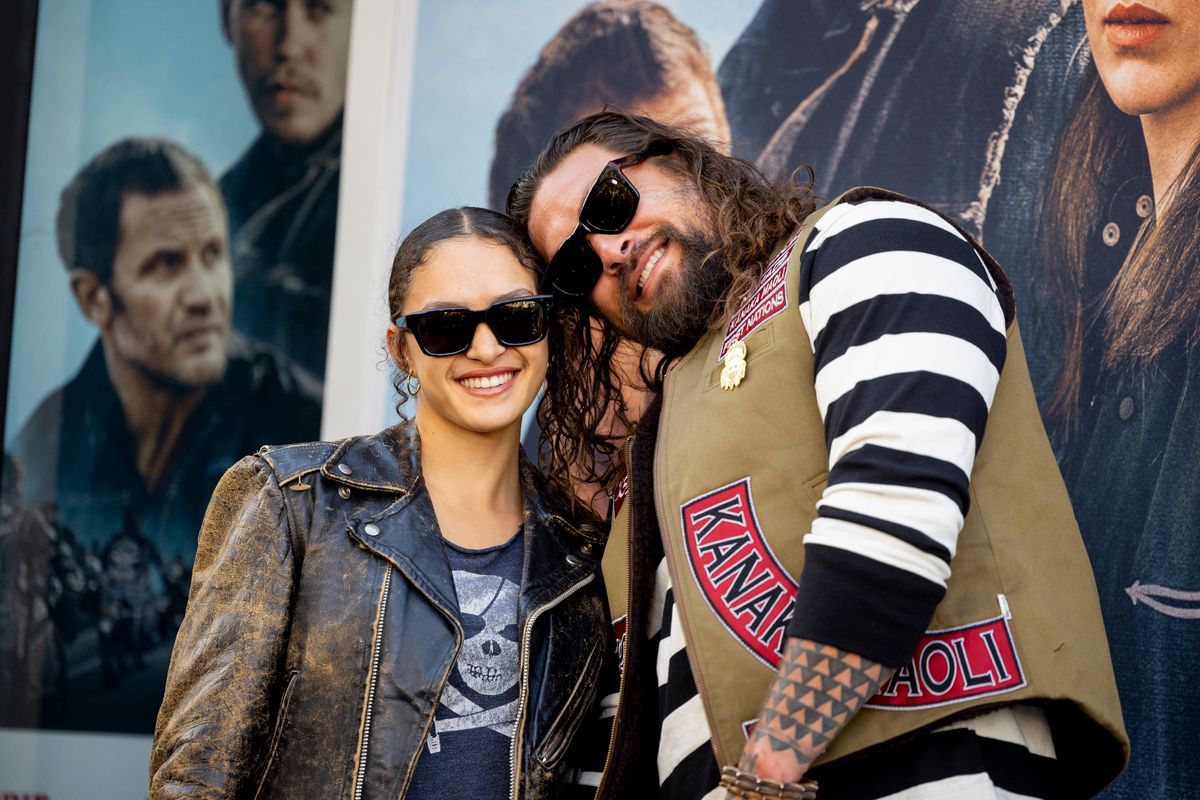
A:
x,y
387,461
560,550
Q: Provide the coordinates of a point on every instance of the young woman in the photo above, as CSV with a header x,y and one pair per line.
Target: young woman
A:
x,y
1121,236
409,614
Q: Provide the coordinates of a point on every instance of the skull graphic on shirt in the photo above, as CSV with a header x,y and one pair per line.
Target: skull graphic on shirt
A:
x,y
487,605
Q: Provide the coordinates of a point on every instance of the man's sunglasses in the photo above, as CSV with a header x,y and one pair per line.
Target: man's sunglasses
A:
x,y
449,331
608,208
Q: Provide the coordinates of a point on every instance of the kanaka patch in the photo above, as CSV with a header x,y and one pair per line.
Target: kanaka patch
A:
x,y
738,574
953,666
767,301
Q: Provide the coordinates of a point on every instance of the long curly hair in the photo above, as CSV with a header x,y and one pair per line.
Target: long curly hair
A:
x,y
583,417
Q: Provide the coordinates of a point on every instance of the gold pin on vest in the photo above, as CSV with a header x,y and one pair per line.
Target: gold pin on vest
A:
x,y
735,366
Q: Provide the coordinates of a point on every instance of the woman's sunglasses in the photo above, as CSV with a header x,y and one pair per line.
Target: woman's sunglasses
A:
x,y
608,208
449,331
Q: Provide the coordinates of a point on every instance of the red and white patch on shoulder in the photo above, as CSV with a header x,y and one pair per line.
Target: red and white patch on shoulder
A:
x,y
742,580
618,497
953,666
620,626
767,301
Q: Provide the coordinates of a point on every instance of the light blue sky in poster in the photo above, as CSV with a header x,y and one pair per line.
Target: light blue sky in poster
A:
x,y
105,69
470,56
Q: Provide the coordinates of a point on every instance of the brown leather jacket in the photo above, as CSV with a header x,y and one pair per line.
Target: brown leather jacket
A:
x,y
323,623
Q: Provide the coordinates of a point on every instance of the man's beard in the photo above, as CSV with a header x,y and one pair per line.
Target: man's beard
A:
x,y
685,299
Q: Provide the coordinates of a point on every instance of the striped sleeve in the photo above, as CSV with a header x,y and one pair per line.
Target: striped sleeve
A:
x,y
908,337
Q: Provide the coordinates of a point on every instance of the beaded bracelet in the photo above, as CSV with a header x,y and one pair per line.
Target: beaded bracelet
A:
x,y
749,786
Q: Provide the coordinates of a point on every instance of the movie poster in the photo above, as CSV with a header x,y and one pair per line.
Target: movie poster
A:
x,y
1014,117
171,314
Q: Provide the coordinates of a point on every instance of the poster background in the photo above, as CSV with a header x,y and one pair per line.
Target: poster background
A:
x,y
104,70
465,61
457,100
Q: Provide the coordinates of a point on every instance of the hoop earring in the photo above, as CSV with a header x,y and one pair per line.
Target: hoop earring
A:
x,y
413,391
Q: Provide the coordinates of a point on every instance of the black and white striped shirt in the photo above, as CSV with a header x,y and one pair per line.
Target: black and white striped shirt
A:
x,y
908,336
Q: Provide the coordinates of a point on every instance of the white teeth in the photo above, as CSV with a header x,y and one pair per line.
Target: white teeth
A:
x,y
489,382
645,276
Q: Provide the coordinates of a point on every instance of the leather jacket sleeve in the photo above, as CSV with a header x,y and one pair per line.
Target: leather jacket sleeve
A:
x,y
226,672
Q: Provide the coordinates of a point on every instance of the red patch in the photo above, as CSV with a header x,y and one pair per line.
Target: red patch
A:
x,y
748,727
618,498
768,300
955,665
619,627
746,586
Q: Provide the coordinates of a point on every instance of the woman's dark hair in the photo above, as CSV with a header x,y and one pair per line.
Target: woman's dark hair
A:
x,y
583,417
1154,301
453,223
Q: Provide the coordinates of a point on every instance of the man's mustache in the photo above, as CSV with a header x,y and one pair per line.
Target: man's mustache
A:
x,y
290,79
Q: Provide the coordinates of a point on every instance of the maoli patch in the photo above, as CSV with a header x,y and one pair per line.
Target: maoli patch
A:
x,y
953,665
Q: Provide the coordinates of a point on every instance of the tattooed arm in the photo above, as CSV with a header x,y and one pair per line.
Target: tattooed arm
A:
x,y
815,693
908,337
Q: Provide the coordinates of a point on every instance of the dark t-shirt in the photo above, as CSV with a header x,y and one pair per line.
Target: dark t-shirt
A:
x,y
467,752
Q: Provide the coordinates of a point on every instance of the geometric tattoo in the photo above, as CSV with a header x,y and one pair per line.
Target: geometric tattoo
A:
x,y
816,691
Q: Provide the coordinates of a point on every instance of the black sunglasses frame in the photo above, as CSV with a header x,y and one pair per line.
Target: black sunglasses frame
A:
x,y
576,266
471,320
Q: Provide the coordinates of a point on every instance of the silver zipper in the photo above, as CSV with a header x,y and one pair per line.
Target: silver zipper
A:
x,y
372,679
514,771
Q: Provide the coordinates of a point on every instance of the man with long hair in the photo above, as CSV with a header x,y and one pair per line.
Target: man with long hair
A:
x,y
629,53
824,567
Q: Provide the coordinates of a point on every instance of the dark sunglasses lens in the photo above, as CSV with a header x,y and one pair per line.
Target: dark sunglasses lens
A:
x,y
518,322
575,268
445,332
611,203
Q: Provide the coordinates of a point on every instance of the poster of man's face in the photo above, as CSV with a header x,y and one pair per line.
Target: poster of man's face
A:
x,y
282,193
291,57
167,304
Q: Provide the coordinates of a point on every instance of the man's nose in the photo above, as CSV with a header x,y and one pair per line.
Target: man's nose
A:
x,y
614,249
296,30
204,287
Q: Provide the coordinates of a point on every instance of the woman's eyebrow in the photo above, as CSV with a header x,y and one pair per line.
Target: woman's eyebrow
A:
x,y
433,305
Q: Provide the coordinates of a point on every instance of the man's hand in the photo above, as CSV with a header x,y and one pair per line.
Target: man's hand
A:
x,y
817,690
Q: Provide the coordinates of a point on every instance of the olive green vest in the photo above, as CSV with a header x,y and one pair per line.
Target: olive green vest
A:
x,y
737,475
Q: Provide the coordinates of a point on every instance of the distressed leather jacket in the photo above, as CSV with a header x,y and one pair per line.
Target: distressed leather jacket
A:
x,y
323,624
